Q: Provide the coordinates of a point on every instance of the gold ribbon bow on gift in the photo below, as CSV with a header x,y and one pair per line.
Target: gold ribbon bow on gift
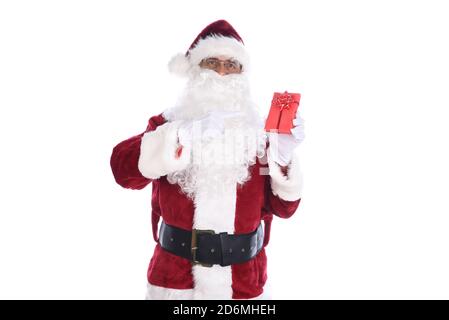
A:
x,y
283,101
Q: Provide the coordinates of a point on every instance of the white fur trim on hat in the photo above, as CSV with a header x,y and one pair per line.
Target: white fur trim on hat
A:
x,y
212,46
286,187
158,150
216,45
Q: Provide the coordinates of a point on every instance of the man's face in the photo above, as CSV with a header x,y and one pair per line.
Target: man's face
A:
x,y
221,65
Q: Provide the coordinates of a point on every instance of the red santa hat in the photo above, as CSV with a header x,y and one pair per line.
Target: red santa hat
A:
x,y
217,39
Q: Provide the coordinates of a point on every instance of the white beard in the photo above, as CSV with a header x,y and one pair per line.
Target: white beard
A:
x,y
221,163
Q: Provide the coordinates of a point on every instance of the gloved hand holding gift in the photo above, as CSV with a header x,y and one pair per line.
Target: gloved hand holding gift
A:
x,y
285,127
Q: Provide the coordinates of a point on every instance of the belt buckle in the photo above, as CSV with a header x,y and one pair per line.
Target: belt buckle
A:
x,y
194,246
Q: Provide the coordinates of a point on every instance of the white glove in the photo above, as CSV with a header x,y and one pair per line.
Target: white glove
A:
x,y
208,127
282,145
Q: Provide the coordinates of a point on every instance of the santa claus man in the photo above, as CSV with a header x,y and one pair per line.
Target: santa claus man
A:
x,y
216,179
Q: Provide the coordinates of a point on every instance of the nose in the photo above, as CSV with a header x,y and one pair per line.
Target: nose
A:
x,y
221,70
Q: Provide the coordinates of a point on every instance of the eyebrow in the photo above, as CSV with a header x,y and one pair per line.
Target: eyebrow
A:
x,y
231,59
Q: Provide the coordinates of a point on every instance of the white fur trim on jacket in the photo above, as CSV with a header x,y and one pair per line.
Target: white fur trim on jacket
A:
x,y
214,211
161,293
212,46
286,187
158,150
213,283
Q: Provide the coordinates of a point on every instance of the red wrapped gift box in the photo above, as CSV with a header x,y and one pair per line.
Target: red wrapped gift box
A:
x,y
282,112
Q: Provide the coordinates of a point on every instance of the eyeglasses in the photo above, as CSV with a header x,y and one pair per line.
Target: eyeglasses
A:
x,y
230,66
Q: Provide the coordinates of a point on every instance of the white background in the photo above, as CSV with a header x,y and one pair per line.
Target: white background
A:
x,y
77,77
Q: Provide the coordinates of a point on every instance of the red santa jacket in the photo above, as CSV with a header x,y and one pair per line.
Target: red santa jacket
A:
x,y
261,197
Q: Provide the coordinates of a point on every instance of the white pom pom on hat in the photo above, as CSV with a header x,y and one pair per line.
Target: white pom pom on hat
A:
x,y
179,64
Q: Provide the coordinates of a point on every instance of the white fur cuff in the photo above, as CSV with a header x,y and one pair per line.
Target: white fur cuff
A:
x,y
286,187
158,150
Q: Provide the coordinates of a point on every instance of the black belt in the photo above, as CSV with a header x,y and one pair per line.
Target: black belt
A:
x,y
207,248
